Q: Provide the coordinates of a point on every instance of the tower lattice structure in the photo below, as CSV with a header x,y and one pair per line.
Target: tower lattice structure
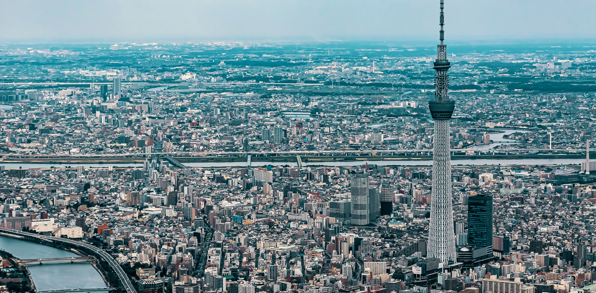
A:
x,y
441,242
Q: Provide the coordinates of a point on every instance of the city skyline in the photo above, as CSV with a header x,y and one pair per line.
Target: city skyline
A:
x,y
320,166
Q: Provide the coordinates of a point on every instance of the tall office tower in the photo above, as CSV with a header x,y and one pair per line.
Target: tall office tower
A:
x,y
360,205
104,92
266,136
374,205
346,271
116,86
441,242
386,201
278,135
480,221
272,273
579,260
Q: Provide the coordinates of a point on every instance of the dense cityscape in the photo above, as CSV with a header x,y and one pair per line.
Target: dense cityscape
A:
x,y
297,167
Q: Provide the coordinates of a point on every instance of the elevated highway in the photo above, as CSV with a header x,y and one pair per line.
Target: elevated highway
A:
x,y
178,158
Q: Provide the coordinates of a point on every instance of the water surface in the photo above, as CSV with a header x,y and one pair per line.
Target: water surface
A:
x,y
53,276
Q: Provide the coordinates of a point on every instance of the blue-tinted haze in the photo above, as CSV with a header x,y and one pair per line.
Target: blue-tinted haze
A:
x,y
275,20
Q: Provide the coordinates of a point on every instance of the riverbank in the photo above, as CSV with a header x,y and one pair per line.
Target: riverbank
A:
x,y
57,276
458,156
21,272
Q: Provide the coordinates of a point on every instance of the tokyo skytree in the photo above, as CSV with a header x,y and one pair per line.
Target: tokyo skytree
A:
x,y
441,240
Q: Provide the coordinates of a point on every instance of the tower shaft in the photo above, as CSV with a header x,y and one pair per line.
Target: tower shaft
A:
x,y
441,241
441,238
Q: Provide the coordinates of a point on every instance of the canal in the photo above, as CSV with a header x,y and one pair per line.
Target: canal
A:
x,y
53,276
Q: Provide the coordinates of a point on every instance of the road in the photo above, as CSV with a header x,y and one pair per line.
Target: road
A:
x,y
320,153
292,156
204,250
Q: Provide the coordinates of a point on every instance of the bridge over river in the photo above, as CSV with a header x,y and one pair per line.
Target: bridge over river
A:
x,y
55,260
78,290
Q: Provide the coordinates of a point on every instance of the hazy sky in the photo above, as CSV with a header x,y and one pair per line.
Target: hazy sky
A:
x,y
281,20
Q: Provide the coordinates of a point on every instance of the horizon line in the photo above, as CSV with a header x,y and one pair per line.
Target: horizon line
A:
x,y
288,41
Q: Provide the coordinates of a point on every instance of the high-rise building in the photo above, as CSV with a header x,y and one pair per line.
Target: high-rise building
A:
x,y
536,246
360,202
340,210
272,273
501,245
441,242
245,145
579,260
104,92
386,201
373,204
219,283
377,268
480,221
278,135
266,136
116,87
346,271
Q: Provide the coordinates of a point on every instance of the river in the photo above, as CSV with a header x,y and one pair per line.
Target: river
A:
x,y
497,139
478,162
53,276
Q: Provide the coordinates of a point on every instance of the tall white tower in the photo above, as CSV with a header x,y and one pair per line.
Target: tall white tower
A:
x,y
588,157
550,140
441,240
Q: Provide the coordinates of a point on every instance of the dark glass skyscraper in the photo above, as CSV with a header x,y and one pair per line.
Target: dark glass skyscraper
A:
x,y
480,221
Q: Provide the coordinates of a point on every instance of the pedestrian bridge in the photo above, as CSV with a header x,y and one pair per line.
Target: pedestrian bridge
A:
x,y
41,261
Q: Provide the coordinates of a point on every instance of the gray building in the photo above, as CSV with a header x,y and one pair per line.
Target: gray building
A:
x,y
360,200
266,135
116,87
340,210
180,287
278,135
374,204
272,273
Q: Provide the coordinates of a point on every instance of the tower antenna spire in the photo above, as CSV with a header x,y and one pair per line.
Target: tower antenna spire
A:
x,y
442,38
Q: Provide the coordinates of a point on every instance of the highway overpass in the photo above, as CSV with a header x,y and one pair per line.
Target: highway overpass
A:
x,y
305,155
